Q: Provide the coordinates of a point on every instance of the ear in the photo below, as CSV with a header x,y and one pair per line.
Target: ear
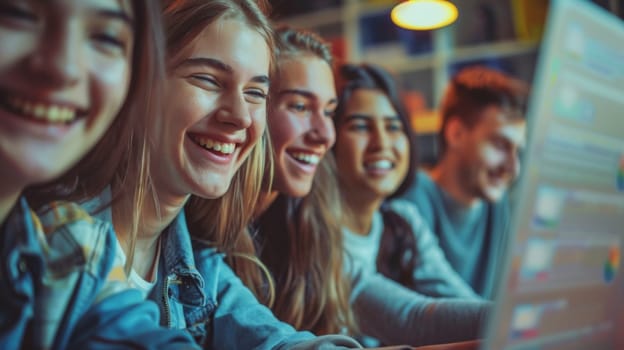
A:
x,y
455,133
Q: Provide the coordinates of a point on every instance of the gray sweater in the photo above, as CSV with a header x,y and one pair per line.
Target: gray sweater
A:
x,y
434,274
394,314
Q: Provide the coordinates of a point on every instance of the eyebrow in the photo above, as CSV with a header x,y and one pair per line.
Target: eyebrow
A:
x,y
304,93
115,14
219,65
357,116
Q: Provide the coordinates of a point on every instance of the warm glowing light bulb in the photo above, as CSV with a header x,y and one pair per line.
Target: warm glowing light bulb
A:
x,y
424,14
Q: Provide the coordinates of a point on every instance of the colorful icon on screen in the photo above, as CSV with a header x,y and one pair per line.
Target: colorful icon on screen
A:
x,y
548,207
525,321
612,264
537,260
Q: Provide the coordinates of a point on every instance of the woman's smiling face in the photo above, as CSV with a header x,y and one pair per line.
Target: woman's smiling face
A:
x,y
214,111
300,122
372,148
65,68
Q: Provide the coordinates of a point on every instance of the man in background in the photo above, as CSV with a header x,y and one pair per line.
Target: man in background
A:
x,y
464,197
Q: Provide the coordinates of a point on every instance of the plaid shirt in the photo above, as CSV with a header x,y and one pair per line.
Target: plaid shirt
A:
x,y
62,287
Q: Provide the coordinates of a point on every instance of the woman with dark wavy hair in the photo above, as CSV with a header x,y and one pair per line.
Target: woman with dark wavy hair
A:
x,y
376,158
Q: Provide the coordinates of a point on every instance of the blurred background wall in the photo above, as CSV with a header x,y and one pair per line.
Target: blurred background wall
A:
x,y
502,34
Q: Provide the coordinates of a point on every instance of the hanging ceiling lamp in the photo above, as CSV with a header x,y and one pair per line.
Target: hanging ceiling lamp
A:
x,y
424,14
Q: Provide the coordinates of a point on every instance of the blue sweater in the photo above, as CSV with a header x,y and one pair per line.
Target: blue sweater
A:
x,y
472,238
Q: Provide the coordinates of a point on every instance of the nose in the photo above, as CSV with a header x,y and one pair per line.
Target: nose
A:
x,y
59,58
233,111
379,138
322,129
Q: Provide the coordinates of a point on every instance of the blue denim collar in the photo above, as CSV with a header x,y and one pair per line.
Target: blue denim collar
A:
x,y
20,226
21,245
178,260
176,253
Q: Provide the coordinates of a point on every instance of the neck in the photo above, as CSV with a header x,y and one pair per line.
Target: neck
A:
x,y
9,194
446,174
359,212
264,202
8,198
159,210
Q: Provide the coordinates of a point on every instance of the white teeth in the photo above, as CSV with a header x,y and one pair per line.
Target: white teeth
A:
x,y
43,112
307,158
380,164
39,111
225,148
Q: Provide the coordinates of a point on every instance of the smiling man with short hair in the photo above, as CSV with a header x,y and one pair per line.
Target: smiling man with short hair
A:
x,y
464,196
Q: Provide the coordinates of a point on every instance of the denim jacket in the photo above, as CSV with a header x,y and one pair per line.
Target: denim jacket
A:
x,y
198,291
60,288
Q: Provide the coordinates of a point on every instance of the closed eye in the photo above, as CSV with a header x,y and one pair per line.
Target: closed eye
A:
x,y
358,127
110,42
205,80
394,127
298,107
256,95
16,13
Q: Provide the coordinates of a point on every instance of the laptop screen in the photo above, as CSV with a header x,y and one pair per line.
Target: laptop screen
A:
x,y
563,286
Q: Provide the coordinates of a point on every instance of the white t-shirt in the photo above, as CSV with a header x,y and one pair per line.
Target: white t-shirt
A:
x,y
135,280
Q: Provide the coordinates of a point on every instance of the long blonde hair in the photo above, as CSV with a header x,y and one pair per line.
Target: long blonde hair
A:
x,y
299,239
211,220
120,159
221,222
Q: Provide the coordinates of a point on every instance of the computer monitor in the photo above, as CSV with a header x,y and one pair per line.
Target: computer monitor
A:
x,y
563,286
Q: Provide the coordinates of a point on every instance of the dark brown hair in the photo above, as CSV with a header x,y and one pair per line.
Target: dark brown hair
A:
x,y
353,77
396,258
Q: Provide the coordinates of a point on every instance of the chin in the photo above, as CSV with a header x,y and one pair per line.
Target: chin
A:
x,y
494,195
298,191
37,173
212,191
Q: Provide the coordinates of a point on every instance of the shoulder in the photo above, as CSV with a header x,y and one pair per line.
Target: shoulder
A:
x,y
422,189
67,221
57,215
503,205
427,186
423,179
208,260
406,209
206,252
71,237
